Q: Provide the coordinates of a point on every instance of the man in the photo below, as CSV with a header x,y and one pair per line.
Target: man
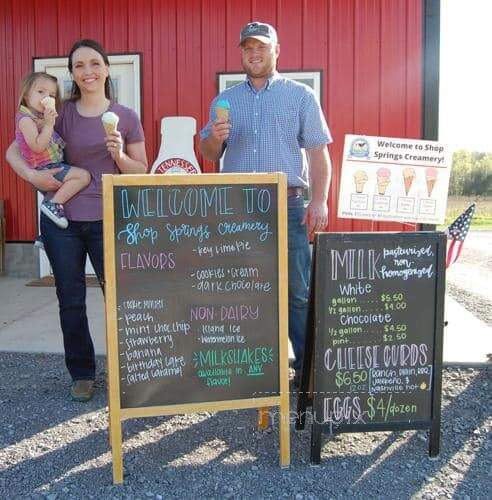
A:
x,y
271,119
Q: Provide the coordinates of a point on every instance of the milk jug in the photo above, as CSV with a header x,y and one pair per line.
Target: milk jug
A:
x,y
176,154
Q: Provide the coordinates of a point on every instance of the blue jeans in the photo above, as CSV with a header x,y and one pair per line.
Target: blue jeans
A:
x,y
299,274
60,176
67,251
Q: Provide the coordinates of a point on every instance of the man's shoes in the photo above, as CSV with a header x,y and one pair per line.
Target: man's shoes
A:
x,y
294,378
82,390
297,379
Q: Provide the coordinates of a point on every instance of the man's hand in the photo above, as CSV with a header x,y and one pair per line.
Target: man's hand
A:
x,y
44,180
316,217
212,147
220,131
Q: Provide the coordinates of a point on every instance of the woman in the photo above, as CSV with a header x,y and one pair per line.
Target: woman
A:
x,y
87,147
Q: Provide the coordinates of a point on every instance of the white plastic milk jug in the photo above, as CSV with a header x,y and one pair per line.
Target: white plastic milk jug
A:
x,y
176,154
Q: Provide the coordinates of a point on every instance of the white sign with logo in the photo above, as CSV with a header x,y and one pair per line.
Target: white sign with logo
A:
x,y
388,179
176,154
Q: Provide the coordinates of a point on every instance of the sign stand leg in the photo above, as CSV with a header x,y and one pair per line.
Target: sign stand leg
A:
x,y
116,449
301,415
307,362
434,438
316,444
435,429
284,432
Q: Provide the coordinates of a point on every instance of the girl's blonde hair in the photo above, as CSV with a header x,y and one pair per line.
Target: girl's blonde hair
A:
x,y
28,82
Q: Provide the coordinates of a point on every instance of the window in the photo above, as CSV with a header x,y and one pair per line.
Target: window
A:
x,y
124,70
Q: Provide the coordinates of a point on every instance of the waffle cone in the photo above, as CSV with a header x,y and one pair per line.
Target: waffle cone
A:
x,y
359,186
430,185
222,114
382,185
110,127
408,181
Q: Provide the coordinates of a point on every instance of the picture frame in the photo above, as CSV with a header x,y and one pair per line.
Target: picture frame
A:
x,y
311,78
125,71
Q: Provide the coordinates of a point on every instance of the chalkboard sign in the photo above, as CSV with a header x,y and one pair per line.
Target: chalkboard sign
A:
x,y
196,293
375,360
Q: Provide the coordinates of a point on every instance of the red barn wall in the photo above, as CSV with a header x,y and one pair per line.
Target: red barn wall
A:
x,y
369,51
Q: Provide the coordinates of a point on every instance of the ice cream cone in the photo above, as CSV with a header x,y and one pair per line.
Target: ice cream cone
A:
x,y
48,102
430,186
222,114
408,181
110,122
383,179
360,179
430,179
222,109
408,178
382,185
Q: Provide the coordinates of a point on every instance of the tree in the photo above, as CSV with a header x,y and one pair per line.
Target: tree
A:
x,y
471,174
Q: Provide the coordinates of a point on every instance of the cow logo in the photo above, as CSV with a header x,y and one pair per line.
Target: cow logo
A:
x,y
359,148
175,166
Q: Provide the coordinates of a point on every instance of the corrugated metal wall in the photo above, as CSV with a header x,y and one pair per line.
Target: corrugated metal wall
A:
x,y
370,53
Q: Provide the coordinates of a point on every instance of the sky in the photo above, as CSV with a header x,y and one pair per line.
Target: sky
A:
x,y
465,114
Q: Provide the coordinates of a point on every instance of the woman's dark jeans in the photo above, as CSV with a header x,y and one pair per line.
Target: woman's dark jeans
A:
x,y
67,251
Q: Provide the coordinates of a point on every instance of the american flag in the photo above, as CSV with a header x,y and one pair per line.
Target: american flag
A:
x,y
456,233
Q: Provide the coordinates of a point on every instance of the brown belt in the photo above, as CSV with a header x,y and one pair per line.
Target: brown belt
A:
x,y
295,191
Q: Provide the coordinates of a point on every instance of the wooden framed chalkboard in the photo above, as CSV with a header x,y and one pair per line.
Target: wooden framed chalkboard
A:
x,y
196,296
374,343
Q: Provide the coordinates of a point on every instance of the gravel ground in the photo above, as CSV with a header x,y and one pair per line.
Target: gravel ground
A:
x,y
469,280
478,306
54,448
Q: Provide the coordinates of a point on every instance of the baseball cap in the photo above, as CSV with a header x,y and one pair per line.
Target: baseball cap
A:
x,y
261,31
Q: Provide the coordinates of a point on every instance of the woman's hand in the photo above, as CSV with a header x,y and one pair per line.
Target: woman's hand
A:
x,y
114,143
44,180
133,161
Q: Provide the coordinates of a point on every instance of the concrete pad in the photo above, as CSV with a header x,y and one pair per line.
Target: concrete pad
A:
x,y
29,322
467,339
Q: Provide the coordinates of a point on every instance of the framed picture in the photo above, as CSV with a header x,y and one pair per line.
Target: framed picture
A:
x,y
310,78
124,70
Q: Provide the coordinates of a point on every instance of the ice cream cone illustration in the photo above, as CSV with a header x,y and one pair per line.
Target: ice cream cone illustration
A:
x,y
222,109
430,179
360,178
110,122
383,179
48,102
408,178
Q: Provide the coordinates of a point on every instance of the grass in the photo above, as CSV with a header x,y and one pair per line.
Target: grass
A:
x,y
482,220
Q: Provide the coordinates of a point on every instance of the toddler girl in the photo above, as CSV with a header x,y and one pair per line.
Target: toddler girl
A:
x,y
41,146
